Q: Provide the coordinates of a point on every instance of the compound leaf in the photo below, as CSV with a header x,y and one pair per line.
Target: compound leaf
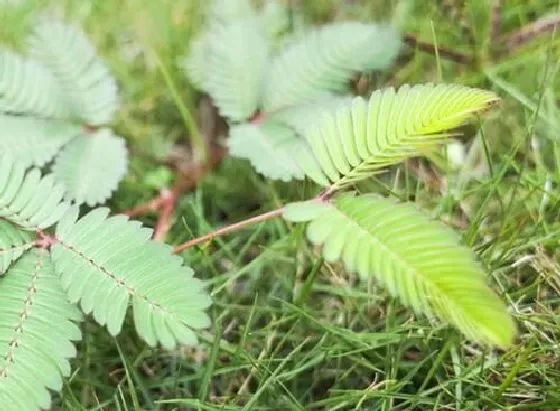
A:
x,y
26,198
362,137
324,60
13,243
104,263
416,259
91,166
37,328
34,141
83,77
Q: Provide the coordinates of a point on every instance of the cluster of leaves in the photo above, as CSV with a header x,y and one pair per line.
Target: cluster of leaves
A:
x,y
55,105
270,85
55,266
288,117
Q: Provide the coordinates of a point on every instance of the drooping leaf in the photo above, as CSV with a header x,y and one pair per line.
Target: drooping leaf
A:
x,y
13,243
416,259
91,166
34,141
104,263
237,55
323,61
363,137
27,87
270,148
26,198
37,328
84,78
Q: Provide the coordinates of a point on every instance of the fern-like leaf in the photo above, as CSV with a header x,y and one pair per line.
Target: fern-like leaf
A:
x,y
104,263
26,199
416,259
362,137
269,148
27,87
85,79
237,55
324,60
34,141
13,243
91,166
37,328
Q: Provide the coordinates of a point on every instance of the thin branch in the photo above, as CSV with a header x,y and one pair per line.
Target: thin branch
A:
x,y
228,229
444,52
529,32
167,209
148,207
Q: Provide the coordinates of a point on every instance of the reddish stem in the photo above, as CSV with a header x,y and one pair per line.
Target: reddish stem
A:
x,y
44,240
152,205
228,229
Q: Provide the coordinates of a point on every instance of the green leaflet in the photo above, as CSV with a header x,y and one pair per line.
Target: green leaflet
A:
x,y
196,64
416,259
269,147
91,166
27,87
106,262
361,138
34,141
26,198
36,333
13,243
324,59
304,211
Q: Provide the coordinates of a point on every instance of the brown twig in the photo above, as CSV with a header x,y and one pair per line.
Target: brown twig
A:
x,y
444,52
517,39
148,207
187,177
228,229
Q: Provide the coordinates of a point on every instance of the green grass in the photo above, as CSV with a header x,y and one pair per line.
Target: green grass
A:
x,y
293,333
